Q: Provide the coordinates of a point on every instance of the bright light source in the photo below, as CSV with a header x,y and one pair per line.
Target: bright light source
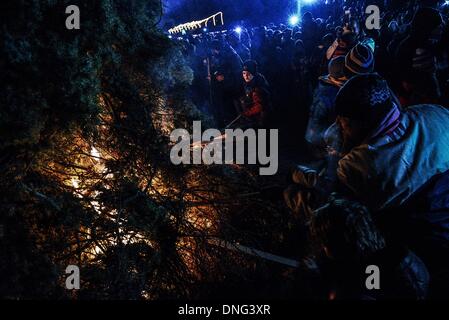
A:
x,y
293,20
204,29
308,1
170,37
238,30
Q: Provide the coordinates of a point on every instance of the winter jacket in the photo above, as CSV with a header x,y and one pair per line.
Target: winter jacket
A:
x,y
322,113
386,172
423,222
256,102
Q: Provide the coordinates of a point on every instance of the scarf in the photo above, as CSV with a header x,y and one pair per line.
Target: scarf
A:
x,y
388,124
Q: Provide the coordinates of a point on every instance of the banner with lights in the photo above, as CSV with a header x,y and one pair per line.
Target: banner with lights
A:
x,y
198,24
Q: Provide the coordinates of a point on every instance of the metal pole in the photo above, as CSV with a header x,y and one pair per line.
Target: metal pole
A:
x,y
233,121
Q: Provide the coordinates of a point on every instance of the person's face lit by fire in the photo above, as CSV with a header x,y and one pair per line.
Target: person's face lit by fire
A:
x,y
247,76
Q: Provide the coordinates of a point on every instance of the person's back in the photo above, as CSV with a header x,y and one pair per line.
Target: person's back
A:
x,y
389,170
398,165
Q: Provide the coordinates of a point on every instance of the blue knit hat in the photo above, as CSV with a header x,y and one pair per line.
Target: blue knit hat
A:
x,y
360,60
250,66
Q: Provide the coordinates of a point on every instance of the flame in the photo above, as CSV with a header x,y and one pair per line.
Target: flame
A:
x,y
75,183
95,153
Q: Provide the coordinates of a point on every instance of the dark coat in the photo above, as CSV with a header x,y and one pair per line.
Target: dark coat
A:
x,y
423,225
403,275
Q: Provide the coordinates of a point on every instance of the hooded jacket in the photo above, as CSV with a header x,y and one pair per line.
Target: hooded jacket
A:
x,y
388,170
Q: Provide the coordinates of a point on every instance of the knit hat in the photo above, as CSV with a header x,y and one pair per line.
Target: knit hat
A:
x,y
250,66
365,98
360,60
370,43
336,74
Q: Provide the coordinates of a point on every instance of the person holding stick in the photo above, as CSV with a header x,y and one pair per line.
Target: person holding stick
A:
x,y
256,102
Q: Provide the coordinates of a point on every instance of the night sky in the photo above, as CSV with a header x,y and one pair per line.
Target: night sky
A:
x,y
252,11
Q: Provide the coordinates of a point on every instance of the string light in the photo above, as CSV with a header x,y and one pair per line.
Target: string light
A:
x,y
197,24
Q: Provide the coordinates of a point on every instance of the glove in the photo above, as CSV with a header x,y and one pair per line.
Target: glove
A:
x,y
305,177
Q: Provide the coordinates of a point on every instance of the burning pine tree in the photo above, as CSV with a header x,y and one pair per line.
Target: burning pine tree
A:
x,y
86,176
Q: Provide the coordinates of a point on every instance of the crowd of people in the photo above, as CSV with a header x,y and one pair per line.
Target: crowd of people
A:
x,y
371,105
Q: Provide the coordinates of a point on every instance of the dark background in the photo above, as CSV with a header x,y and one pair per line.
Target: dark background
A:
x,y
251,11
